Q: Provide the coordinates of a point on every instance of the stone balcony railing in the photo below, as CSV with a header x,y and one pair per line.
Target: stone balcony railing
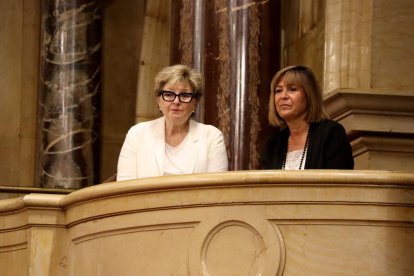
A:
x,y
308,222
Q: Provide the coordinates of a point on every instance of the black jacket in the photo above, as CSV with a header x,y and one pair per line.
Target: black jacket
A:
x,y
328,148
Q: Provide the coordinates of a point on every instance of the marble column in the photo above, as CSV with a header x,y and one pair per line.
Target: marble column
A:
x,y
69,94
187,39
235,43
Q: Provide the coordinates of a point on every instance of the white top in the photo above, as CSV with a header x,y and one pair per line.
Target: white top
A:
x,y
144,150
176,158
293,160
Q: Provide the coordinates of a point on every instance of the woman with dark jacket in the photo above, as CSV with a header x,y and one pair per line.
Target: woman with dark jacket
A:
x,y
306,137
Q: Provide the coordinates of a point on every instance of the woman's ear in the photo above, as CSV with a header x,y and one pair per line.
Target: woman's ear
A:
x,y
158,103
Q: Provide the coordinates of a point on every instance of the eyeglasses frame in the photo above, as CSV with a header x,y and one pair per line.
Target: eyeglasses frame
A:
x,y
176,95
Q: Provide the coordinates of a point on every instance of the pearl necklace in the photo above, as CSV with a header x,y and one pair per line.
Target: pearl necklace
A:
x,y
303,153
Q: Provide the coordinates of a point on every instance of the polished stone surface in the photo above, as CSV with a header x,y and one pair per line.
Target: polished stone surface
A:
x,y
19,70
359,45
155,55
69,95
237,52
236,223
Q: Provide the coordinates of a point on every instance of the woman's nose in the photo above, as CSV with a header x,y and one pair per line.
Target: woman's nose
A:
x,y
284,93
176,99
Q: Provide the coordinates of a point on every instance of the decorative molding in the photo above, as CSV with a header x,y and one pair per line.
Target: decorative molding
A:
x,y
372,110
339,101
380,125
264,222
368,143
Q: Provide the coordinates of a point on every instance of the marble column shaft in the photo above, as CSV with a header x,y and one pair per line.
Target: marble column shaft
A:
x,y
69,94
237,48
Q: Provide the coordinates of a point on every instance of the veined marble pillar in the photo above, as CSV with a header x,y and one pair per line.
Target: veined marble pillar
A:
x,y
235,43
69,94
187,39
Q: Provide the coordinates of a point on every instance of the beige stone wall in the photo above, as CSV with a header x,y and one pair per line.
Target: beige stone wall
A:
x,y
303,32
351,44
392,45
19,55
155,54
122,39
136,46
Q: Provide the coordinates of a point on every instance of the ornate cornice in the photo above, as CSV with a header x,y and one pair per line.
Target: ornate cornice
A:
x,y
372,111
340,101
379,122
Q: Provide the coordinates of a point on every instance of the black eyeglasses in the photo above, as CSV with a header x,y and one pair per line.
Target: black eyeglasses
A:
x,y
169,96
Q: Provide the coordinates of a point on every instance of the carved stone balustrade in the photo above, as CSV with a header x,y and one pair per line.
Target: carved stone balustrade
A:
x,y
309,222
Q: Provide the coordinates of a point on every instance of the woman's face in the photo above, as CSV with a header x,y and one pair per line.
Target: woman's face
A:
x,y
177,112
290,101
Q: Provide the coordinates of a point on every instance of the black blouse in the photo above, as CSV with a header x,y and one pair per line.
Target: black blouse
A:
x,y
328,148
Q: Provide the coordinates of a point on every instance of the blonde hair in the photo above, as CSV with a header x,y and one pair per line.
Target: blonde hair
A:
x,y
303,77
179,73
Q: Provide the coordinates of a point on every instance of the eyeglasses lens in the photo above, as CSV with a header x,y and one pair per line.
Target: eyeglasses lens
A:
x,y
169,96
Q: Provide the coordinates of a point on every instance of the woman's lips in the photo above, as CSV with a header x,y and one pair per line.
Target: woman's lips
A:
x,y
285,106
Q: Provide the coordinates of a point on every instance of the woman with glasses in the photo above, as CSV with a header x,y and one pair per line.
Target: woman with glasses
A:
x,y
305,138
174,143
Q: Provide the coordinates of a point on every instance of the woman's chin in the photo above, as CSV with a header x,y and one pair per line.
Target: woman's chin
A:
x,y
177,117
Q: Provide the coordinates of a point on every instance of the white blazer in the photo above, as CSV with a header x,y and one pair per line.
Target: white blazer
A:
x,y
143,151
